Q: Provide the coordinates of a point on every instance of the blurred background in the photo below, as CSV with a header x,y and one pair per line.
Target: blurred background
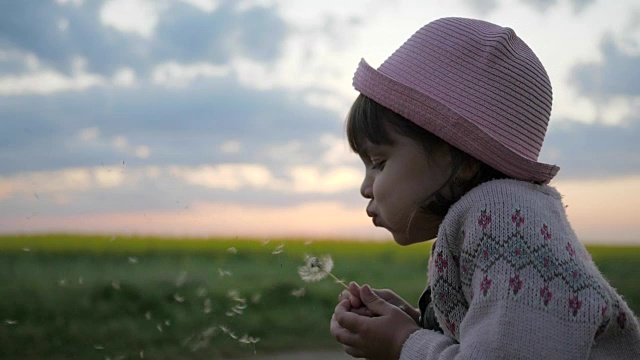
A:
x,y
159,135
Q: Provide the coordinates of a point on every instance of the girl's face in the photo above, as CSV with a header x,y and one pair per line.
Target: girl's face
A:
x,y
397,180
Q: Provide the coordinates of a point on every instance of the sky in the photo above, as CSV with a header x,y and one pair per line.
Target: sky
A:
x,y
226,118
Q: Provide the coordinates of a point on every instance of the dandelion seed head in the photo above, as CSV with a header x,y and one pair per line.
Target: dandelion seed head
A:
x,y
315,268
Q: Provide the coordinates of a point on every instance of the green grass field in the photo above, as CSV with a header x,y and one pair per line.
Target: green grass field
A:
x,y
83,297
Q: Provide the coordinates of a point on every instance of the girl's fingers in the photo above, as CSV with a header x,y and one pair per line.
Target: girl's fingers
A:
x,y
362,311
354,289
353,351
344,336
344,295
346,318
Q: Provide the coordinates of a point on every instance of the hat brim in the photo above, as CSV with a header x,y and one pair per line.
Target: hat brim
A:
x,y
448,125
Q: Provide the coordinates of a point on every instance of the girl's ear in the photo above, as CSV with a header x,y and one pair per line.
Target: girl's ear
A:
x,y
469,169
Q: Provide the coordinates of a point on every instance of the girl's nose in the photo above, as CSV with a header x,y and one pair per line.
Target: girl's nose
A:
x,y
366,188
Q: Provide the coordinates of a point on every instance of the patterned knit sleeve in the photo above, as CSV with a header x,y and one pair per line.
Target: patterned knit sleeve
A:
x,y
512,281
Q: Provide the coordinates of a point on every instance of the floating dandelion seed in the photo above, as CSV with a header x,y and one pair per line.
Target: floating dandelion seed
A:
x,y
255,298
113,237
98,347
298,292
246,339
167,322
26,249
278,249
182,278
210,331
232,250
141,354
234,295
224,273
80,280
133,260
115,285
159,327
265,242
147,315
62,282
237,310
207,306
178,298
317,268
11,322
224,329
201,292
308,242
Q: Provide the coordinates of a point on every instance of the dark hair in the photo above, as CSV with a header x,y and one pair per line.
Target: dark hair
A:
x,y
366,122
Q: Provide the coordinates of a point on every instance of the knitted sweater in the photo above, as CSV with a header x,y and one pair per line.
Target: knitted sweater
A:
x,y
510,280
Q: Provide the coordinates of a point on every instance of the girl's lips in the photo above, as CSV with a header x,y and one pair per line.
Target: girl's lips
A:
x,y
375,220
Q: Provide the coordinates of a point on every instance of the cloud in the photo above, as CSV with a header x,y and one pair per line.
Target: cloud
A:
x,y
137,34
231,147
310,179
593,151
173,74
482,7
139,17
178,125
544,5
230,177
616,74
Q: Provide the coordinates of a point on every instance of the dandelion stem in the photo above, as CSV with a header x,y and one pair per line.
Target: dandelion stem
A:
x,y
338,280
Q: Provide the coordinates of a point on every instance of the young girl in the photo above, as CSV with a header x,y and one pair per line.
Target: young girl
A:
x,y
449,128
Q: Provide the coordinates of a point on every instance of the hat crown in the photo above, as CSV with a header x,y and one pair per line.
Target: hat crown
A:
x,y
483,72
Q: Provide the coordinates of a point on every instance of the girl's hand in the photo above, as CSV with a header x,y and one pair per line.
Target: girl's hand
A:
x,y
353,295
378,337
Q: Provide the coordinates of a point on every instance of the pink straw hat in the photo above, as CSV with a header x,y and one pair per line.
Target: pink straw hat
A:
x,y
475,85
